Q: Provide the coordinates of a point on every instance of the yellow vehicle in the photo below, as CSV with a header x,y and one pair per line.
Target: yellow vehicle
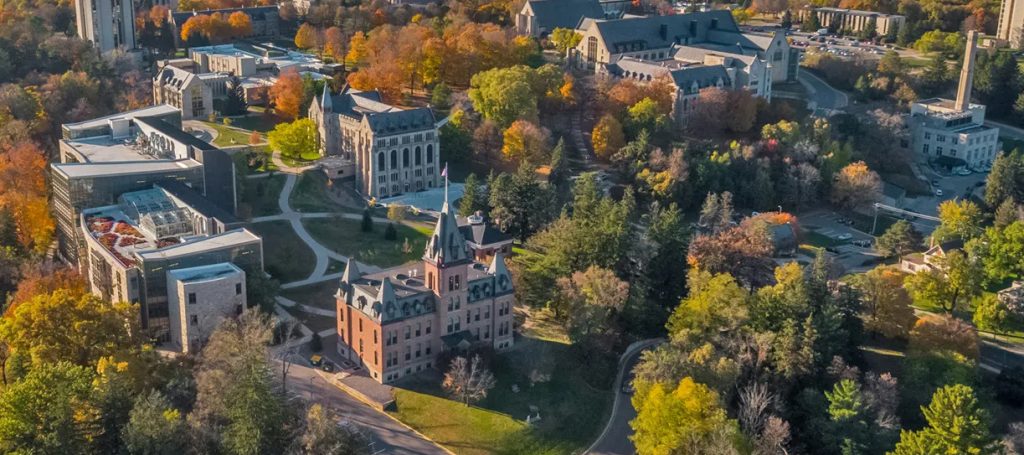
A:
x,y
316,360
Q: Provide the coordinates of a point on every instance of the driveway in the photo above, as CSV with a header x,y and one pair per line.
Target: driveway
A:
x,y
614,440
387,435
820,93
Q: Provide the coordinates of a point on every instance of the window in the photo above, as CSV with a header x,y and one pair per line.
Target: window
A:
x,y
487,312
418,156
382,163
238,288
417,350
191,298
193,319
360,325
451,283
925,149
592,49
405,157
394,159
428,351
467,317
457,284
375,336
477,318
451,325
418,327
941,138
375,358
430,153
341,315
408,352
487,332
428,327
408,332
927,135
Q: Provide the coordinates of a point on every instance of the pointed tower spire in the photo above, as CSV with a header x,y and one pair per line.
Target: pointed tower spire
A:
x,y
446,245
500,273
351,273
325,100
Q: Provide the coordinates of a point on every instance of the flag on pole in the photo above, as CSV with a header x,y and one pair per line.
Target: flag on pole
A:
x,y
444,172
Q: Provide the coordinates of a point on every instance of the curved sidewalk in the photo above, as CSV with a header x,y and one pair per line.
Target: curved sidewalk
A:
x,y
614,440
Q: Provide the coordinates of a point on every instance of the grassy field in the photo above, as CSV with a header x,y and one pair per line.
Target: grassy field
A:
x,y
320,295
256,122
227,136
261,195
572,412
310,194
285,256
344,236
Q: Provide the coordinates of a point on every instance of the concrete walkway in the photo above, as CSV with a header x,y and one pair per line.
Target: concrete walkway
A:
x,y
322,253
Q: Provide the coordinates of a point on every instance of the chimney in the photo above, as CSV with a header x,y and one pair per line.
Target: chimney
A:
x,y
963,93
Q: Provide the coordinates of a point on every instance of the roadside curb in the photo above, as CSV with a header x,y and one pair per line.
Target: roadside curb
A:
x,y
630,351
374,407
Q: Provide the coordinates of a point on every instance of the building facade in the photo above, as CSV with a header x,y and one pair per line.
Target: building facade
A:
x,y
108,24
658,38
392,150
1011,22
539,18
395,322
953,132
856,21
183,90
199,298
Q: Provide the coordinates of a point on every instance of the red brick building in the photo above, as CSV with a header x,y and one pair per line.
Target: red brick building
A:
x,y
395,322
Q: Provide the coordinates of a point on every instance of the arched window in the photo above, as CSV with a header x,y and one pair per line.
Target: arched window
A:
x,y
394,159
419,156
430,153
405,157
382,163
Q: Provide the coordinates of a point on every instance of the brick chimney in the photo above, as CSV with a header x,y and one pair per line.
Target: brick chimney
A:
x,y
963,92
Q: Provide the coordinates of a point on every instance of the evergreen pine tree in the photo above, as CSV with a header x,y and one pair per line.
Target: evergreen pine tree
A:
x,y
367,224
559,164
234,103
391,233
470,196
8,230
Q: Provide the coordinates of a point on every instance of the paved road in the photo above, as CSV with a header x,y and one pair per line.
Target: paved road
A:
x,y
615,438
822,94
388,436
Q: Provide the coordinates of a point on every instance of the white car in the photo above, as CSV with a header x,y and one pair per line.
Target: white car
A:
x,y
844,237
938,192
963,172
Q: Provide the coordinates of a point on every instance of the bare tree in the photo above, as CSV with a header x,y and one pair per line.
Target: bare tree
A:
x,y
467,380
882,394
774,437
754,402
1014,439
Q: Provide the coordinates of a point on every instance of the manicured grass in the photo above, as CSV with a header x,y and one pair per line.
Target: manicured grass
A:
x,y
573,413
344,236
227,136
256,122
320,295
241,159
819,240
310,194
315,322
285,256
261,195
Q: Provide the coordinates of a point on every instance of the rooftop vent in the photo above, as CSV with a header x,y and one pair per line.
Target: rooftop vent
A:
x,y
476,218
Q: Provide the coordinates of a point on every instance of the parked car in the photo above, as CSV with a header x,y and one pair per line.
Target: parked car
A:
x,y
935,182
327,366
963,172
862,243
316,360
938,191
832,249
845,236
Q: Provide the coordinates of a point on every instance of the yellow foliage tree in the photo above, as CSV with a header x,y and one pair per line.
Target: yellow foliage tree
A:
x,y
307,37
607,137
240,23
680,420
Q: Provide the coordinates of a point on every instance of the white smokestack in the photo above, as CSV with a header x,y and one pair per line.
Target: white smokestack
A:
x,y
963,93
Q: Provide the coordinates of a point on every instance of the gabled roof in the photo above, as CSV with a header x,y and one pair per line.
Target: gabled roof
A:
x,y
552,14
663,31
704,76
382,118
174,77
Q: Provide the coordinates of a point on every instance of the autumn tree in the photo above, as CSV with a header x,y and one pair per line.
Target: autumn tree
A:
x,y
23,191
956,277
240,23
564,39
47,278
527,142
63,326
334,44
468,381
324,435
716,304
935,332
286,94
591,299
356,48
958,220
155,427
48,411
685,418
607,137
716,110
295,140
307,37
856,186
743,252
886,305
956,424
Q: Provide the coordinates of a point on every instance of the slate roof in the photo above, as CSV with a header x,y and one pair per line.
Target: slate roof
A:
x,y
649,30
552,14
174,76
383,118
483,234
704,76
175,133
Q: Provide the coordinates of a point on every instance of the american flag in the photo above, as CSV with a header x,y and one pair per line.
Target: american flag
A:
x,y
444,172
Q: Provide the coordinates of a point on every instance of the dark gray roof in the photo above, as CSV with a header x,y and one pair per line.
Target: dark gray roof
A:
x,y
383,118
704,76
663,31
483,234
552,14
175,133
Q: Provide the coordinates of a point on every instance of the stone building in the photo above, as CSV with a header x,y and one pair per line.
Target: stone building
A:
x,y
539,18
1011,22
855,21
199,298
108,24
395,322
184,90
391,151
953,132
660,38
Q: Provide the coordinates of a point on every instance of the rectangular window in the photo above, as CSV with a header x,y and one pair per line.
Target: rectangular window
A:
x,y
408,353
238,288
408,332
375,337
477,316
418,327
360,326
428,327
194,320
191,298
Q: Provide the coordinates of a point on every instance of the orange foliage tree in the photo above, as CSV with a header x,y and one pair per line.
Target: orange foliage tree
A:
x,y
47,278
23,191
942,332
240,23
286,94
334,44
308,37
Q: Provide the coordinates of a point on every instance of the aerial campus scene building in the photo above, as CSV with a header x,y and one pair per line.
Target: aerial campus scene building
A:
x,y
478,227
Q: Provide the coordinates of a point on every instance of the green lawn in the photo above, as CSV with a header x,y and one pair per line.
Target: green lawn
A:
x,y
310,194
344,236
573,413
261,194
256,121
819,240
227,136
285,256
320,295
